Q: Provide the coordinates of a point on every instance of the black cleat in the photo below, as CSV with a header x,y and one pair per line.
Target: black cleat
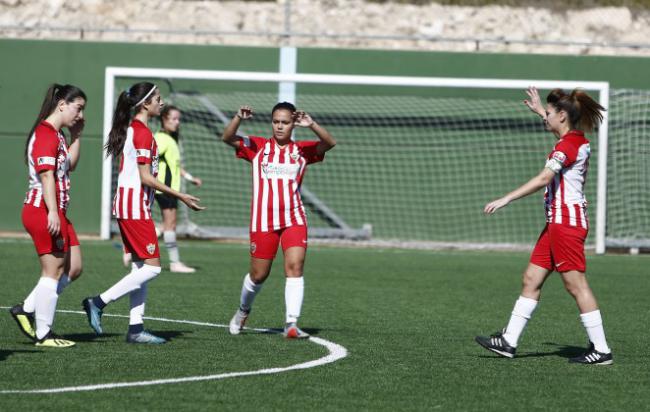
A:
x,y
497,344
25,321
593,357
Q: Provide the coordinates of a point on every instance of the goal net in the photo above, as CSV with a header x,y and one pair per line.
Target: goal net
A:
x,y
416,161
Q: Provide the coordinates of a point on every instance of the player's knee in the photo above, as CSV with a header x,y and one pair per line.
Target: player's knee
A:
x,y
293,269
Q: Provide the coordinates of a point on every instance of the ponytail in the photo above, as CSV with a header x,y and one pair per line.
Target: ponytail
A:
x,y
583,111
55,93
129,103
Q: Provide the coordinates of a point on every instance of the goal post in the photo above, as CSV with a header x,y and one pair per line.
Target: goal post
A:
x,y
342,214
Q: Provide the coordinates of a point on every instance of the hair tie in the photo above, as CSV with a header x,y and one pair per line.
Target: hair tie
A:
x,y
128,92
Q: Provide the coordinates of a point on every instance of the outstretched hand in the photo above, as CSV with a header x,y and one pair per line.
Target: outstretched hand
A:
x,y
534,102
245,112
302,119
191,202
495,205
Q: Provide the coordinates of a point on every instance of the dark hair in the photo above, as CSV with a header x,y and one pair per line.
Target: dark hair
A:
x,y
583,111
128,104
163,115
284,106
55,93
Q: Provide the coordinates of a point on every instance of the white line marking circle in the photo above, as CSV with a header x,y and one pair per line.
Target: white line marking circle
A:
x,y
335,353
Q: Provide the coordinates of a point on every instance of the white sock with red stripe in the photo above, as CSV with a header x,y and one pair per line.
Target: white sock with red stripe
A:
x,y
523,310
137,300
30,300
248,292
130,282
294,290
169,236
593,323
45,298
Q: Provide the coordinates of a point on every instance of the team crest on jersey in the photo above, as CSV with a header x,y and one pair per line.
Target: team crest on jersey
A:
x,y
294,156
559,156
151,248
253,247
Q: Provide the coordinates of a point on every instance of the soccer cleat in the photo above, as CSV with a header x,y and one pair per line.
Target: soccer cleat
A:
x,y
52,340
144,337
94,315
180,267
24,320
292,331
593,357
497,344
238,321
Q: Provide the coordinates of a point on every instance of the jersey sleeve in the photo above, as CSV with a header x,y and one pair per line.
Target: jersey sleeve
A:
x,y
162,143
249,146
45,150
142,141
309,150
563,155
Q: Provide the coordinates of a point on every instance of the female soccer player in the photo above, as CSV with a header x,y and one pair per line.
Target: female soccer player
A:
x,y
170,172
50,160
277,212
561,244
131,138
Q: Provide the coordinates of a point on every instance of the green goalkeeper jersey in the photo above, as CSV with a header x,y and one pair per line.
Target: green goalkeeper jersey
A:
x,y
169,166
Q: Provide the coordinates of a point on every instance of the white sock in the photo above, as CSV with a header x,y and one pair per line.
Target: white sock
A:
x,y
248,292
523,310
169,237
63,283
593,323
294,290
45,305
137,300
29,302
130,282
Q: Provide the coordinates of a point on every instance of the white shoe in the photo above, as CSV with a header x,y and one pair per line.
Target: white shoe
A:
x,y
126,259
238,321
180,267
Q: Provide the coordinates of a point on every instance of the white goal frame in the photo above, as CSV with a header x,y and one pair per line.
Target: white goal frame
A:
x,y
284,79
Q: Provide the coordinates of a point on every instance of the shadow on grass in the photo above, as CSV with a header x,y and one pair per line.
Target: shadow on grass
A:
x,y
88,337
4,354
169,335
563,351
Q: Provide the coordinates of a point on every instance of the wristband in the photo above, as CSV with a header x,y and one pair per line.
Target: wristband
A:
x,y
188,176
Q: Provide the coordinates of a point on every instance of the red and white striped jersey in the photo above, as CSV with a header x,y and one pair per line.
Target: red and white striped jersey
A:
x,y
132,199
277,174
48,150
564,200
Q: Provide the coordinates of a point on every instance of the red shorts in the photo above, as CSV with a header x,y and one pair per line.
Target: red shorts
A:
x,y
35,222
264,245
561,248
139,237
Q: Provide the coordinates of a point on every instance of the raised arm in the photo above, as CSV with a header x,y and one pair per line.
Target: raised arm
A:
x,y
148,179
229,135
534,103
74,150
327,141
533,185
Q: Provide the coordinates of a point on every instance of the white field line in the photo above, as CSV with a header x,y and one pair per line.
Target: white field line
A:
x,y
335,352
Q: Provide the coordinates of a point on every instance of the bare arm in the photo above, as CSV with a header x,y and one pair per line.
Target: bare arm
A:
x,y
148,179
229,135
327,141
74,150
49,195
187,175
533,185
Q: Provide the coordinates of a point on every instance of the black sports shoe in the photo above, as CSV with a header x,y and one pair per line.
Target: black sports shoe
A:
x,y
25,321
497,344
593,357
